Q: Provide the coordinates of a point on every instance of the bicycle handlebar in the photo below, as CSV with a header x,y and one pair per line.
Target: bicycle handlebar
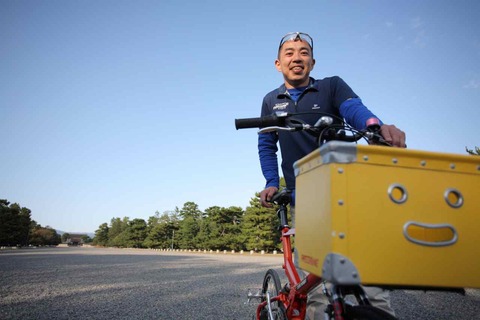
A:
x,y
324,129
260,122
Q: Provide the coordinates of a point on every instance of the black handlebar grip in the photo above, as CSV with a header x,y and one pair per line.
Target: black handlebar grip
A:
x,y
266,121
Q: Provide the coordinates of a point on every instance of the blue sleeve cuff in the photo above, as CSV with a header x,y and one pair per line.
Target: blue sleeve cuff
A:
x,y
356,114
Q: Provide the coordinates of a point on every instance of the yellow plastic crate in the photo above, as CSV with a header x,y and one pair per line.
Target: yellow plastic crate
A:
x,y
389,216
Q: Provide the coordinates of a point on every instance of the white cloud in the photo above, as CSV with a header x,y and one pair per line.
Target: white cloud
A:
x,y
473,84
420,38
416,23
418,27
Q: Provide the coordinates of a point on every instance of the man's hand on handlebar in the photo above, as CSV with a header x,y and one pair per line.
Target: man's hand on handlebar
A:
x,y
393,135
266,195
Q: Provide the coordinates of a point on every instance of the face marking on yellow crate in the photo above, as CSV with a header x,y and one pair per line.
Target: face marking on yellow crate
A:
x,y
453,198
397,193
430,235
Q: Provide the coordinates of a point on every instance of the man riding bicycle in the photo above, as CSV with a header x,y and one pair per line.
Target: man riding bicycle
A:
x,y
305,95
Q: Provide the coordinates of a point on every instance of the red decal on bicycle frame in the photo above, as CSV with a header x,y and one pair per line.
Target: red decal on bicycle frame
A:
x,y
310,260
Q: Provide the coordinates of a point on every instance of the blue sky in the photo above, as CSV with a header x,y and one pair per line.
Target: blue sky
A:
x,y
124,108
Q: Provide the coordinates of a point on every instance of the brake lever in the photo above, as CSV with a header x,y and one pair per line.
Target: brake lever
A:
x,y
275,128
291,128
376,139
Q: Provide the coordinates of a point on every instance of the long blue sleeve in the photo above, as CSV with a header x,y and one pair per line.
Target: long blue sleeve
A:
x,y
267,151
355,113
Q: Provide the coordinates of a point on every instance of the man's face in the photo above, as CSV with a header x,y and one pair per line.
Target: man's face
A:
x,y
295,61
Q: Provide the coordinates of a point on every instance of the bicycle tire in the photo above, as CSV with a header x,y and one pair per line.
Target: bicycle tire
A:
x,y
272,284
366,313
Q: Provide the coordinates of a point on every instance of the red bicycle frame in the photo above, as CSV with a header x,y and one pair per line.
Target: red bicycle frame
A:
x,y
294,295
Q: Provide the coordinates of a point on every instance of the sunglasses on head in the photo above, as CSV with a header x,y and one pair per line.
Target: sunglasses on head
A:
x,y
296,36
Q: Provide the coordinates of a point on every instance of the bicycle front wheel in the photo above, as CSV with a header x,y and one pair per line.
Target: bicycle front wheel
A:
x,y
272,285
366,313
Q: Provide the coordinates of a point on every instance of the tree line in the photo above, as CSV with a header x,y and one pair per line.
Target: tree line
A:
x,y
18,229
216,228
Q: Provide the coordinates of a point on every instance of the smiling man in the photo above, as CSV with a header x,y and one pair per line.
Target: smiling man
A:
x,y
295,61
309,97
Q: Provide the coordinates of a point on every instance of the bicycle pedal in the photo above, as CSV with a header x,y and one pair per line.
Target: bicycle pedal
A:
x,y
257,296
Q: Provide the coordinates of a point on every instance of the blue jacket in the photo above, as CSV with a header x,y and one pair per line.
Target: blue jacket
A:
x,y
330,95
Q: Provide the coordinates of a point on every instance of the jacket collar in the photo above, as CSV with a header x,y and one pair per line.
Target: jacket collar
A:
x,y
282,91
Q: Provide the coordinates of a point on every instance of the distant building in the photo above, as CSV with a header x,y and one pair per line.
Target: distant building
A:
x,y
76,239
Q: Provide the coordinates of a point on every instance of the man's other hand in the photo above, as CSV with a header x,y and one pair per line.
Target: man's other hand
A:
x,y
393,135
266,195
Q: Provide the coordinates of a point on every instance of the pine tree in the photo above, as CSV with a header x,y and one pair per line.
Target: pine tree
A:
x,y
475,152
260,227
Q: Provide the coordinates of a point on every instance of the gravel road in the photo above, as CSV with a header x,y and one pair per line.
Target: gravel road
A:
x,y
93,283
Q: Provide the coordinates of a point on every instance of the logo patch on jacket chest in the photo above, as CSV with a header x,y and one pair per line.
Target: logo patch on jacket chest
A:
x,y
280,106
